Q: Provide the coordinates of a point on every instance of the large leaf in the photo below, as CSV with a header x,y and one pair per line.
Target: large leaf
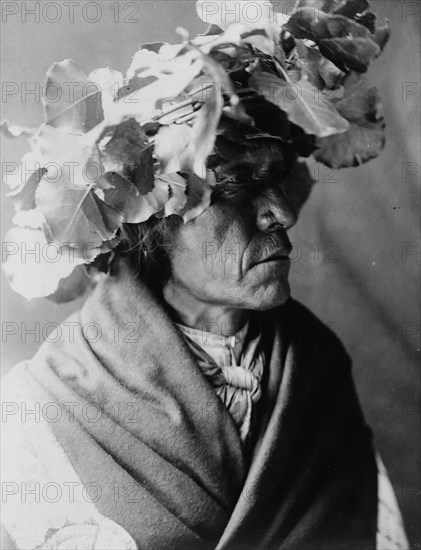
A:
x,y
330,74
177,192
70,158
22,187
358,145
349,54
382,35
169,194
211,30
63,193
174,148
343,7
321,72
206,122
198,197
39,275
108,82
125,198
151,58
360,100
141,61
365,138
303,106
24,196
350,8
55,146
129,153
310,59
153,46
134,84
240,39
263,41
73,102
345,42
146,103
301,22
75,214
33,219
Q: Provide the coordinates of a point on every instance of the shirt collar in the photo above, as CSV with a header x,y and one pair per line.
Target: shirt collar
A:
x,y
205,338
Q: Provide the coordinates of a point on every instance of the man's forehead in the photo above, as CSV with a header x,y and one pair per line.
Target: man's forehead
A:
x,y
256,167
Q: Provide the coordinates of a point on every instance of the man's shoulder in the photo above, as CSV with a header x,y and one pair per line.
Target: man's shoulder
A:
x,y
300,318
14,381
305,318
310,336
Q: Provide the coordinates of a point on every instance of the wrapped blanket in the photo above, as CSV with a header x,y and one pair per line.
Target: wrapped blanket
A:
x,y
134,420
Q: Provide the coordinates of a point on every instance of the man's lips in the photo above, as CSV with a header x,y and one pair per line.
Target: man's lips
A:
x,y
276,255
273,259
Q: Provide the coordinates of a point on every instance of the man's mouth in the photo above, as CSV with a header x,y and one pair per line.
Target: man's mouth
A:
x,y
273,259
275,256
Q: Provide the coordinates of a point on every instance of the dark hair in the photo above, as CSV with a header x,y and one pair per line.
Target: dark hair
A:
x,y
145,246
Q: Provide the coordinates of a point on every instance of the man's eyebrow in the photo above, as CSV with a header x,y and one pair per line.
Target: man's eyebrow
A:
x,y
248,172
262,173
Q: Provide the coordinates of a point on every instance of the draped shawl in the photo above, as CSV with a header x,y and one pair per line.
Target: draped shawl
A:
x,y
144,424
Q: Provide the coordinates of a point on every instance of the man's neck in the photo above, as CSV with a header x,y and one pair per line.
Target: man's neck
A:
x,y
209,317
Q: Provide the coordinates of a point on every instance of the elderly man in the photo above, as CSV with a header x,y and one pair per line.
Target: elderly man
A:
x,y
191,402
223,415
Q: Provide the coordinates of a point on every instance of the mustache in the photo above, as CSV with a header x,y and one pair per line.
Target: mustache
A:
x,y
276,243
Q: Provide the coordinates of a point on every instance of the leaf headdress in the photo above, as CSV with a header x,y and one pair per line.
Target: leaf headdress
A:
x,y
116,150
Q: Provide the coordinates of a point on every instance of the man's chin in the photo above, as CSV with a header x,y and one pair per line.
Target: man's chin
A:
x,y
275,295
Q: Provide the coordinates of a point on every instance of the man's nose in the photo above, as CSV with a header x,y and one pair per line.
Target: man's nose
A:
x,y
273,211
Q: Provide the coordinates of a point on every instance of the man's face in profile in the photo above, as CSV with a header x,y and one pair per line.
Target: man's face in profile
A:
x,y
235,254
